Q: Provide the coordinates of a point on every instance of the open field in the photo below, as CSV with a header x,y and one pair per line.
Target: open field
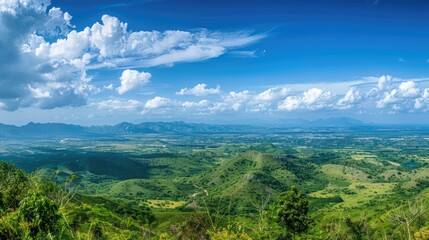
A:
x,y
165,204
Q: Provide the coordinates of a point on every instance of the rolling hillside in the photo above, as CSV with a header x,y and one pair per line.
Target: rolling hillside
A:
x,y
252,176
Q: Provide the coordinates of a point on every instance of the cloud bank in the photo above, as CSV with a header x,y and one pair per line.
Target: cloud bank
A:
x,y
383,94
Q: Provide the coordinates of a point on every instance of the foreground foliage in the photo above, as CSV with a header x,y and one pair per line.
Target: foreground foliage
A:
x,y
33,208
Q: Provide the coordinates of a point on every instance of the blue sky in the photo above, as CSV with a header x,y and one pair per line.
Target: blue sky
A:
x,y
104,62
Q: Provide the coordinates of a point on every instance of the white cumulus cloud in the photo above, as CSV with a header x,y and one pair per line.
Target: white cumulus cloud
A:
x,y
131,79
272,94
422,103
350,99
290,103
159,102
235,100
384,82
388,99
312,99
200,104
199,90
30,79
408,89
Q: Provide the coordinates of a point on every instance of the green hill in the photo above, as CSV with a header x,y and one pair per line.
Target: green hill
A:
x,y
251,176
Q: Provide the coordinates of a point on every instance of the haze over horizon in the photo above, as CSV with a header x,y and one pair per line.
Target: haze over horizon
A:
x,y
105,62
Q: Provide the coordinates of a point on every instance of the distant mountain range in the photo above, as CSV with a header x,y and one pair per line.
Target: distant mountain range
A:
x,y
60,130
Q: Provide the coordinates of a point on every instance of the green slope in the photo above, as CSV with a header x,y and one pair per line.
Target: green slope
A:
x,y
252,176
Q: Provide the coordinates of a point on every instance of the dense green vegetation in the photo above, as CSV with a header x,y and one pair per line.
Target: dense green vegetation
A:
x,y
358,183
33,208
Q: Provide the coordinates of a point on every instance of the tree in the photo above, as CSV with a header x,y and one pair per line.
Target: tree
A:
x,y
292,210
13,186
41,214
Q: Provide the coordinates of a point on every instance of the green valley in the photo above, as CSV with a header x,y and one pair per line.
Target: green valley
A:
x,y
360,183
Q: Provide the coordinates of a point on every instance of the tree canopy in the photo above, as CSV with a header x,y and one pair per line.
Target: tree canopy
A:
x,y
292,211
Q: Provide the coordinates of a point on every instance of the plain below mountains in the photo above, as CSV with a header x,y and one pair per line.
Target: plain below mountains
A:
x,y
60,130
